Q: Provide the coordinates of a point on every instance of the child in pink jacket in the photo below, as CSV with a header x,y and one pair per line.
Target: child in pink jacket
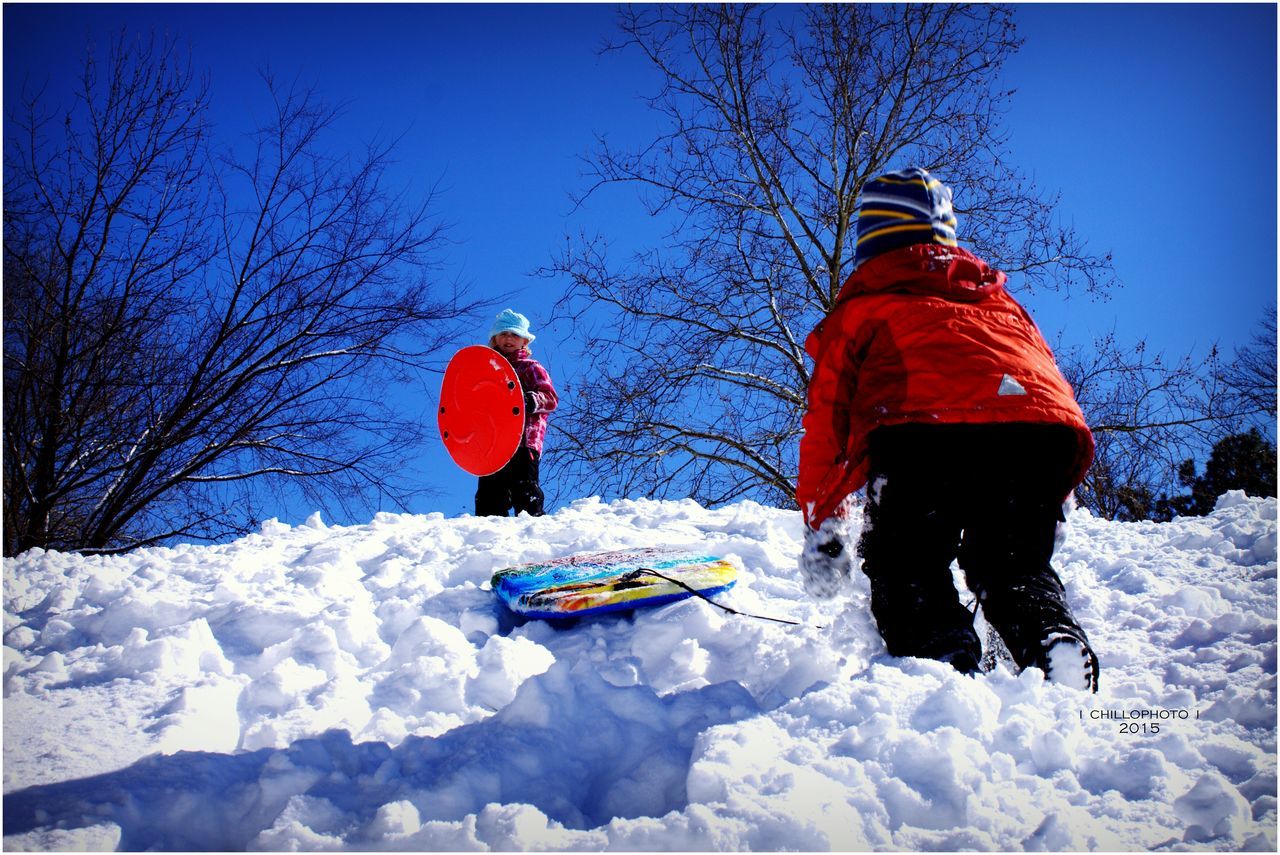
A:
x,y
515,486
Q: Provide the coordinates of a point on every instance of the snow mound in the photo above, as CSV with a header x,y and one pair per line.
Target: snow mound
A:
x,y
323,687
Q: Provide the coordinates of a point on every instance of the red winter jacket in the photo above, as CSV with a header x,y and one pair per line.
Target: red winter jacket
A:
x,y
925,334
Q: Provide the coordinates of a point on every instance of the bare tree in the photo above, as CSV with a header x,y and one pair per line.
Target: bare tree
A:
x,y
775,118
1151,414
1251,376
184,330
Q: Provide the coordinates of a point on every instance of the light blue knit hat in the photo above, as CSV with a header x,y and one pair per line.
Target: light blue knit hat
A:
x,y
509,320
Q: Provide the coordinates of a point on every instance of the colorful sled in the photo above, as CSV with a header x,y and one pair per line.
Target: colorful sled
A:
x,y
596,583
481,414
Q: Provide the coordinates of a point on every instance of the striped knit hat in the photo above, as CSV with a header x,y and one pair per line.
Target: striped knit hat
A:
x,y
901,208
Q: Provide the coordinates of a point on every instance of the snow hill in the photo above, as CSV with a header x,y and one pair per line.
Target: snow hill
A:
x,y
318,687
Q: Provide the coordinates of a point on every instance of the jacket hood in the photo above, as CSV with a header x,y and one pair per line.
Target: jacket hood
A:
x,y
518,356
926,270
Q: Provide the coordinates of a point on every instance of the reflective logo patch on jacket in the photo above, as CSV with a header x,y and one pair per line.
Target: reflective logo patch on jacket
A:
x,y
1009,386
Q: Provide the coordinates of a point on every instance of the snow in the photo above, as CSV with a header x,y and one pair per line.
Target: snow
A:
x,y
318,687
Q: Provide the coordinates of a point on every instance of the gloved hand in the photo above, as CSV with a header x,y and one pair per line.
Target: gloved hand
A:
x,y
826,562
529,405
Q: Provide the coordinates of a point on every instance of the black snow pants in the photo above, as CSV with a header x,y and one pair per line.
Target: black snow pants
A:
x,y
987,495
514,486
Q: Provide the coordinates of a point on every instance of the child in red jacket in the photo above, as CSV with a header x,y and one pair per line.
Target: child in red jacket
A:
x,y
935,388
516,485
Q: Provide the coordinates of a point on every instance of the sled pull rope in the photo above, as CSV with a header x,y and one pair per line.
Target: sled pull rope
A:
x,y
646,570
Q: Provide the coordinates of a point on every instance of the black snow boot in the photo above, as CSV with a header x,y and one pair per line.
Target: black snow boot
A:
x,y
1035,623
925,620
1066,658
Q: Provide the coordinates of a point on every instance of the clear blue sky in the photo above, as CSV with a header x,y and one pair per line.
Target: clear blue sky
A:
x,y
1157,122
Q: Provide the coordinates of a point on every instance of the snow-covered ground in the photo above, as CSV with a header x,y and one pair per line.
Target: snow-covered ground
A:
x,y
357,688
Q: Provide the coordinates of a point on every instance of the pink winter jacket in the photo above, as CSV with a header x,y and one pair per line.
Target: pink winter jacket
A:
x,y
535,379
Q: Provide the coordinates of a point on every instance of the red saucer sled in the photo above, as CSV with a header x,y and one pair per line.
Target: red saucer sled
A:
x,y
481,410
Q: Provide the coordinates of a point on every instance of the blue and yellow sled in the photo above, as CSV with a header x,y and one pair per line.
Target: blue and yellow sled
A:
x,y
600,582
